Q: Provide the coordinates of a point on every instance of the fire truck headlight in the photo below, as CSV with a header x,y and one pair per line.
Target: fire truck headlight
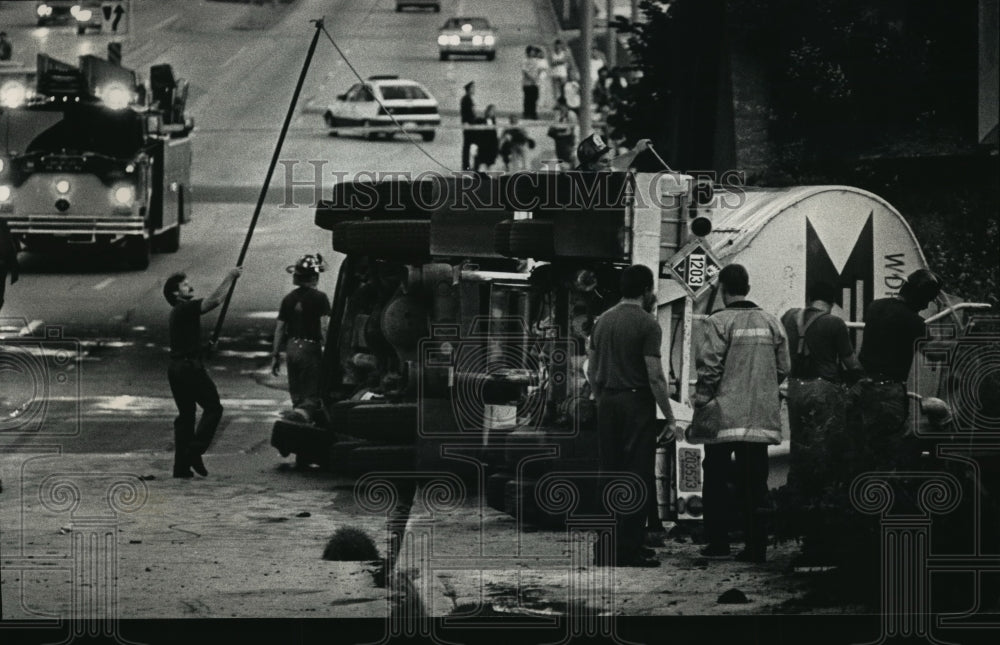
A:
x,y
5,193
83,15
123,195
43,11
62,186
477,40
116,96
13,94
443,39
489,40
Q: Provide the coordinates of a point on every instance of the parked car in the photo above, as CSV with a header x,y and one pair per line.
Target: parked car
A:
x,y
368,106
472,36
423,4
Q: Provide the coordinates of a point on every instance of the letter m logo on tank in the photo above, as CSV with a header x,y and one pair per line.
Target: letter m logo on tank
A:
x,y
694,266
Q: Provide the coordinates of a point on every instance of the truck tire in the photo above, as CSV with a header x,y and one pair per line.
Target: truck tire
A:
x,y
367,459
386,423
169,241
309,443
137,250
531,238
80,30
427,135
388,240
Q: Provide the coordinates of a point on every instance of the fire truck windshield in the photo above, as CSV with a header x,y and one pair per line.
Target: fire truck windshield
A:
x,y
75,130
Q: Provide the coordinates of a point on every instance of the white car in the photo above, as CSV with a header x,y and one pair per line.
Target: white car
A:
x,y
368,105
472,36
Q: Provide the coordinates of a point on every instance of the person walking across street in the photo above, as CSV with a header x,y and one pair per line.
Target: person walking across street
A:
x,y
303,319
467,110
190,383
626,375
822,360
9,248
741,360
879,405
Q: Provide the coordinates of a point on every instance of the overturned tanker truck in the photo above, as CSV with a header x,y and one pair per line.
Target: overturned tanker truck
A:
x,y
463,304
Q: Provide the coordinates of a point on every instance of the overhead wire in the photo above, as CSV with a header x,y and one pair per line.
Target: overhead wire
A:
x,y
409,135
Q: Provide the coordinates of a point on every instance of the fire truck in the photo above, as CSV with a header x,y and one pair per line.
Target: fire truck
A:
x,y
92,156
462,307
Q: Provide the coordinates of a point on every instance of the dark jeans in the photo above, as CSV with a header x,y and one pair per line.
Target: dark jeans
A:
x,y
530,101
304,358
877,416
817,411
190,384
626,426
750,469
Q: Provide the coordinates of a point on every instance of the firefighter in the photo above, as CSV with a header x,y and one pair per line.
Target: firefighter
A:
x,y
190,383
879,404
741,361
594,154
822,361
303,319
626,375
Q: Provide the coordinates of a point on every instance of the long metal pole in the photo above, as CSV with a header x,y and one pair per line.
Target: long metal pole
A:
x,y
586,86
270,174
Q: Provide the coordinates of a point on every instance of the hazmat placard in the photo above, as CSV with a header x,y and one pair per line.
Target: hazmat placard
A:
x,y
694,266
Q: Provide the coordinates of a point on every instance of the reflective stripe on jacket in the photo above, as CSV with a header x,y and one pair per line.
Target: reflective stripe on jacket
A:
x,y
742,357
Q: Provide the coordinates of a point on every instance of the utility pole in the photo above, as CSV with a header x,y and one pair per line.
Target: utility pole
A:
x,y
586,85
612,40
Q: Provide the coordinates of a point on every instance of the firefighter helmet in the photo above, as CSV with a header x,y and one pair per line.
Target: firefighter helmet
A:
x,y
309,266
591,149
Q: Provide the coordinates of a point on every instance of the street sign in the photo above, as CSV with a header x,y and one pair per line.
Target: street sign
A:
x,y
116,17
694,266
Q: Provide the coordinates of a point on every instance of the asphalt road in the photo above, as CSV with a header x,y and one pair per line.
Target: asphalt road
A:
x,y
242,62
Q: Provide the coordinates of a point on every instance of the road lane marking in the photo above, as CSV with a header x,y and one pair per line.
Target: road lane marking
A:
x,y
238,53
164,23
103,284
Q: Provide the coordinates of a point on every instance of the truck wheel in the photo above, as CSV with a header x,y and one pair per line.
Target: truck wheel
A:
x,y
531,238
491,55
427,135
377,422
137,252
331,122
444,55
402,239
80,30
169,241
371,136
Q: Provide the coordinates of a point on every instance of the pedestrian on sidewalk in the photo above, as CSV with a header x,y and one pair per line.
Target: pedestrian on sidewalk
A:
x,y
558,68
303,320
9,248
530,77
626,374
190,383
467,110
742,359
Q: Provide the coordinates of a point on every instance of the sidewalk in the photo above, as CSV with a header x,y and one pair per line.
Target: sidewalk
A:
x,y
247,542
